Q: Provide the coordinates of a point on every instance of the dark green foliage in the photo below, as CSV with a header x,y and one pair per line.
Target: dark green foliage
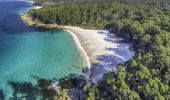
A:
x,y
144,23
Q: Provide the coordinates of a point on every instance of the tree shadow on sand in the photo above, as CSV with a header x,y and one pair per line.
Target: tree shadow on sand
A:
x,y
106,63
110,37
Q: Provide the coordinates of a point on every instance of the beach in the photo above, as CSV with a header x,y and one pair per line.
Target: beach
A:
x,y
101,50
81,49
104,50
32,3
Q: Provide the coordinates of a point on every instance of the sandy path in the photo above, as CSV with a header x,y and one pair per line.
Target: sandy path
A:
x,y
104,49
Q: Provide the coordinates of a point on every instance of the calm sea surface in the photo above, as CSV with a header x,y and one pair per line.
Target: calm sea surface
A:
x,y
28,52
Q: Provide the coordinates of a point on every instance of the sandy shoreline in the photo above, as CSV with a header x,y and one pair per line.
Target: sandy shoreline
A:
x,y
81,49
28,20
32,3
29,1
101,50
104,49
36,7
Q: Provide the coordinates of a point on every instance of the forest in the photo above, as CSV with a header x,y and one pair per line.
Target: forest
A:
x,y
145,24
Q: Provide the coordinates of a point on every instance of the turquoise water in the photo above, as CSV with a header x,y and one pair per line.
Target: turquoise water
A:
x,y
27,52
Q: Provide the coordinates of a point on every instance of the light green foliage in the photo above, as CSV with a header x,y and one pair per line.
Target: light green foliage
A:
x,y
63,95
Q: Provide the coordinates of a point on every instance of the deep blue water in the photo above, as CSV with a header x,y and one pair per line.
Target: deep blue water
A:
x,y
27,52
10,21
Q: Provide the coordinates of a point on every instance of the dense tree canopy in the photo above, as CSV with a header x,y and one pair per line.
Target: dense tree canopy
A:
x,y
144,23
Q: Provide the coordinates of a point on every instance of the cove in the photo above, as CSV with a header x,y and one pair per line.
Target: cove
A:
x,y
28,52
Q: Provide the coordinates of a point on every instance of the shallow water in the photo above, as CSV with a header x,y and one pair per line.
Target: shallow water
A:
x,y
27,52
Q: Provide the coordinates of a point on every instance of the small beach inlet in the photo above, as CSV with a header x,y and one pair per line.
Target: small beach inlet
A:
x,y
103,49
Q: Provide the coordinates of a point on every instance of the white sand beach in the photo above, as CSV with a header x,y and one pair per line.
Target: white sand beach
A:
x,y
81,49
36,7
104,49
29,1
32,3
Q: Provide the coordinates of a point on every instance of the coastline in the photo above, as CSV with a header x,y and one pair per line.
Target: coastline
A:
x,y
29,1
29,21
100,49
80,48
32,3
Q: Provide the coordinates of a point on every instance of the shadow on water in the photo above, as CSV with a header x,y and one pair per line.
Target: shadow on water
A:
x,y
108,62
43,90
28,91
1,95
25,88
50,31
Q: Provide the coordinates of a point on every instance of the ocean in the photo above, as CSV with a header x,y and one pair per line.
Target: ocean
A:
x,y
28,53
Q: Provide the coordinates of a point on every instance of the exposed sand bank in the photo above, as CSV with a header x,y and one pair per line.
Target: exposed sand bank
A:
x,y
101,50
